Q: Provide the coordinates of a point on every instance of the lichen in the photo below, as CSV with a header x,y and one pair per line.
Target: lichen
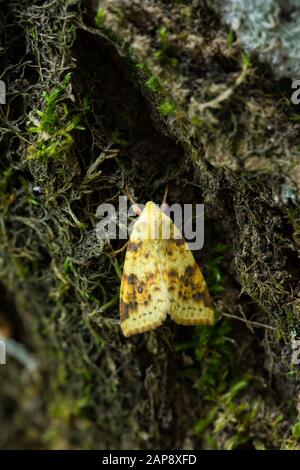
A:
x,y
268,28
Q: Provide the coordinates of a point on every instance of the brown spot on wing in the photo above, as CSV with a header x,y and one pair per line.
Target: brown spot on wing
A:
x,y
124,311
207,299
173,273
198,297
132,246
132,279
140,288
132,305
178,241
190,270
126,308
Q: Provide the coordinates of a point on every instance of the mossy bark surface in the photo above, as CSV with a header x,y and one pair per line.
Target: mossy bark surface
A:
x,y
133,94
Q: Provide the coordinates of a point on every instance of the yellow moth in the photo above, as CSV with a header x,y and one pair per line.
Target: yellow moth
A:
x,y
161,277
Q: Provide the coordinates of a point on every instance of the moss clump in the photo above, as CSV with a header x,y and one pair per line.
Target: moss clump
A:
x,y
166,108
53,126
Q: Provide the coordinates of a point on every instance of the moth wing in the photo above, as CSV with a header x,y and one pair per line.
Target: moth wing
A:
x,y
188,293
144,301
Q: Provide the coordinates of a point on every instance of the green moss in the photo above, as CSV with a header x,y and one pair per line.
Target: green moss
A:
x,y
296,430
221,386
164,43
246,61
163,37
203,424
213,349
196,121
5,178
153,83
215,275
167,107
292,440
54,126
230,39
100,17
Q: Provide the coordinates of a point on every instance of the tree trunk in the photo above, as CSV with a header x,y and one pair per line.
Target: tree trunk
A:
x,y
140,95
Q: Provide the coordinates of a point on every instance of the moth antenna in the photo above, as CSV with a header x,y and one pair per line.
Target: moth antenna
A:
x,y
164,205
134,205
